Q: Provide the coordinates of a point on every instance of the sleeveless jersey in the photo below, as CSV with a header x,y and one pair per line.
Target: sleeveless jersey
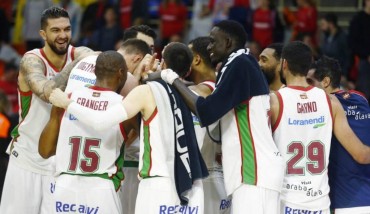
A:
x,y
249,155
82,75
350,181
211,151
82,150
303,133
34,113
153,152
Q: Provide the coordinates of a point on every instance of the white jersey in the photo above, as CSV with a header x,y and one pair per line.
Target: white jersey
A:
x,y
211,151
303,135
34,113
83,151
153,152
83,74
250,156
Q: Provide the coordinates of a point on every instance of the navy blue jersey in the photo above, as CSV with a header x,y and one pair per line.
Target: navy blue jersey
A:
x,y
350,181
239,80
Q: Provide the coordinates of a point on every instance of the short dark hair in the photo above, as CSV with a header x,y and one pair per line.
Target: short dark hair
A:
x,y
328,67
332,18
131,33
178,57
299,57
199,46
235,30
278,48
52,13
136,46
108,63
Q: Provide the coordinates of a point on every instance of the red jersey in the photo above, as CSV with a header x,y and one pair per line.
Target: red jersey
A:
x,y
263,27
173,19
306,19
125,8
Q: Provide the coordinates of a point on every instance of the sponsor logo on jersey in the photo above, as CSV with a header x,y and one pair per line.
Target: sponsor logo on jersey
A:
x,y
225,204
71,117
164,209
354,112
316,122
61,207
96,94
82,79
289,210
15,154
303,96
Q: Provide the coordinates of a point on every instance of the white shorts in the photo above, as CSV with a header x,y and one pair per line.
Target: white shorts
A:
x,y
253,199
85,194
357,210
128,190
215,197
26,192
288,208
158,195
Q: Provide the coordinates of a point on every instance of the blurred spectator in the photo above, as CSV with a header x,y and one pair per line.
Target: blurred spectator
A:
x,y
267,27
305,20
221,9
125,14
9,86
240,11
201,21
140,12
93,17
107,36
359,43
5,126
8,54
32,15
173,17
74,12
308,40
335,42
5,26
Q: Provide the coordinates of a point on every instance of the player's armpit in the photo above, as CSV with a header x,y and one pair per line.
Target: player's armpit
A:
x,y
49,136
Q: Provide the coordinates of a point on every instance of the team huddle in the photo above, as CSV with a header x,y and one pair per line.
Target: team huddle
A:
x,y
122,132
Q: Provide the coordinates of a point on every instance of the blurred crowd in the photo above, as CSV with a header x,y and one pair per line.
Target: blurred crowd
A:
x,y
99,24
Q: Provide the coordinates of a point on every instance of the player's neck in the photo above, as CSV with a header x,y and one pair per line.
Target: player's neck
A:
x,y
107,84
276,84
57,60
296,81
205,74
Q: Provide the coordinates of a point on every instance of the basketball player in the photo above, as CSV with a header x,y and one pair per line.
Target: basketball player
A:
x,y
269,61
252,165
349,181
28,184
203,75
89,162
303,119
159,107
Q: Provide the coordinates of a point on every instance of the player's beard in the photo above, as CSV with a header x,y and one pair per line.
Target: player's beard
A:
x,y
282,79
54,48
269,74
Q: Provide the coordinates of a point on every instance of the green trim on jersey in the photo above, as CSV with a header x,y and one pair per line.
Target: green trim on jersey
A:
x,y
25,107
144,172
249,165
115,178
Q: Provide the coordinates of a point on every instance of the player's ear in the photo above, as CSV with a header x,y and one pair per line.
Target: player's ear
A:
x,y
326,82
196,59
43,34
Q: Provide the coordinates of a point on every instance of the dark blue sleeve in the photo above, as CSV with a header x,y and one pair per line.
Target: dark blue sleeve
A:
x,y
241,80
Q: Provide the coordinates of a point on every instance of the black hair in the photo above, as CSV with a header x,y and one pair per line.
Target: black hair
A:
x,y
136,46
235,30
108,63
178,57
299,57
332,18
131,33
328,67
199,46
278,48
52,13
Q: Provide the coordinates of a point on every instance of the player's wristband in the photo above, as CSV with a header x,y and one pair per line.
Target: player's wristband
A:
x,y
98,120
169,76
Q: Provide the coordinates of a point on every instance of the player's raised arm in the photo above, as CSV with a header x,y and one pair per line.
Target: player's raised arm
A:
x,y
359,151
49,136
101,120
